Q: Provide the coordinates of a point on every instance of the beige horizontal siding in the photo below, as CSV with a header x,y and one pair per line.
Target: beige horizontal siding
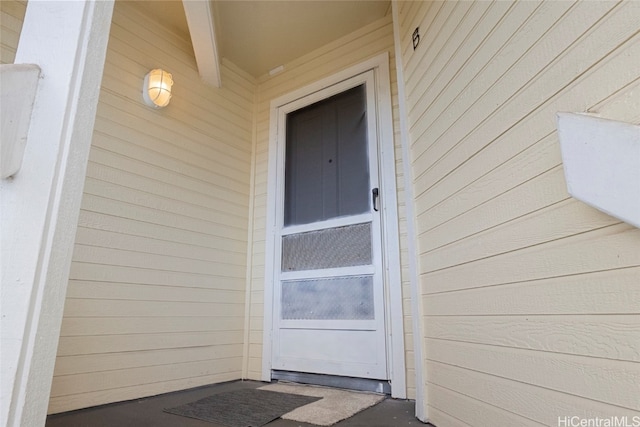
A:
x,y
11,17
536,404
347,51
530,297
156,297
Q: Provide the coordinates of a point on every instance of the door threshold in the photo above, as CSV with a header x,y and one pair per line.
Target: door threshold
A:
x,y
349,383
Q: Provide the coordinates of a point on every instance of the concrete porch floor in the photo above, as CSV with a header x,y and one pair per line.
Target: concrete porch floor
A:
x,y
148,412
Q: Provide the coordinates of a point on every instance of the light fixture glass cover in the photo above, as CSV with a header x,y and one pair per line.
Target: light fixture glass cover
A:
x,y
156,90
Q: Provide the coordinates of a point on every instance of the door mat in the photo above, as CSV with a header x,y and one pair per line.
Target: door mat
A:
x,y
242,408
336,405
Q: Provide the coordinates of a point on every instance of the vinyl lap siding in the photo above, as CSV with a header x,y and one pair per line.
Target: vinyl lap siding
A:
x,y
156,296
11,17
531,298
349,50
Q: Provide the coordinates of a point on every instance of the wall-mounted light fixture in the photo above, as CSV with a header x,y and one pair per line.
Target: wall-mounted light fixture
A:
x,y
156,89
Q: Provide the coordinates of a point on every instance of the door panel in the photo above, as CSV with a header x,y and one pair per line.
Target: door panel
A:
x,y
327,169
328,287
318,353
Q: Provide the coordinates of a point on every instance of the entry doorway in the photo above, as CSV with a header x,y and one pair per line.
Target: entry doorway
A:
x,y
328,270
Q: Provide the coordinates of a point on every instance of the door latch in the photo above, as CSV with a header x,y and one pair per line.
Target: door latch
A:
x,y
375,195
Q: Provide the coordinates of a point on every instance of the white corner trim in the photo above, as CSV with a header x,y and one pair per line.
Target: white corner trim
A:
x,y
380,65
18,85
601,161
416,306
391,233
250,243
200,19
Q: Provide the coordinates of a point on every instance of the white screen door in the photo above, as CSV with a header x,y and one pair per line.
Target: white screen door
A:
x,y
328,287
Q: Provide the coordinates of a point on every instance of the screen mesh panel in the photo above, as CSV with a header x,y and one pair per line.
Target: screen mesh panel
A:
x,y
335,247
339,298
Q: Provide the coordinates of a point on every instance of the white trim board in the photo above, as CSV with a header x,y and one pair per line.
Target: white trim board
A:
x,y
389,213
416,306
40,204
200,19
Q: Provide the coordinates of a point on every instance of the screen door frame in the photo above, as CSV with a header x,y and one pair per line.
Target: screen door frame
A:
x,y
393,319
308,337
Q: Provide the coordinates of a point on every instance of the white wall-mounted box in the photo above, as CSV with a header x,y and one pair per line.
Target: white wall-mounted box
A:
x,y
602,163
18,85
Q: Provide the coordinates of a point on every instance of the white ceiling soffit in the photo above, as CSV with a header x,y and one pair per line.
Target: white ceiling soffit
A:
x,y
258,36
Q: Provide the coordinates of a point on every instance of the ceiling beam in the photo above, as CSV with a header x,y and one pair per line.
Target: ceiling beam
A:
x,y
199,15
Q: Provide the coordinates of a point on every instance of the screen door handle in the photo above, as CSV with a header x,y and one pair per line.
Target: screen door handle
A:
x,y
375,194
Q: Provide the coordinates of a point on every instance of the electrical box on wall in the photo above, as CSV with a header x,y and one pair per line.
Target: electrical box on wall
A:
x,y
19,83
601,161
